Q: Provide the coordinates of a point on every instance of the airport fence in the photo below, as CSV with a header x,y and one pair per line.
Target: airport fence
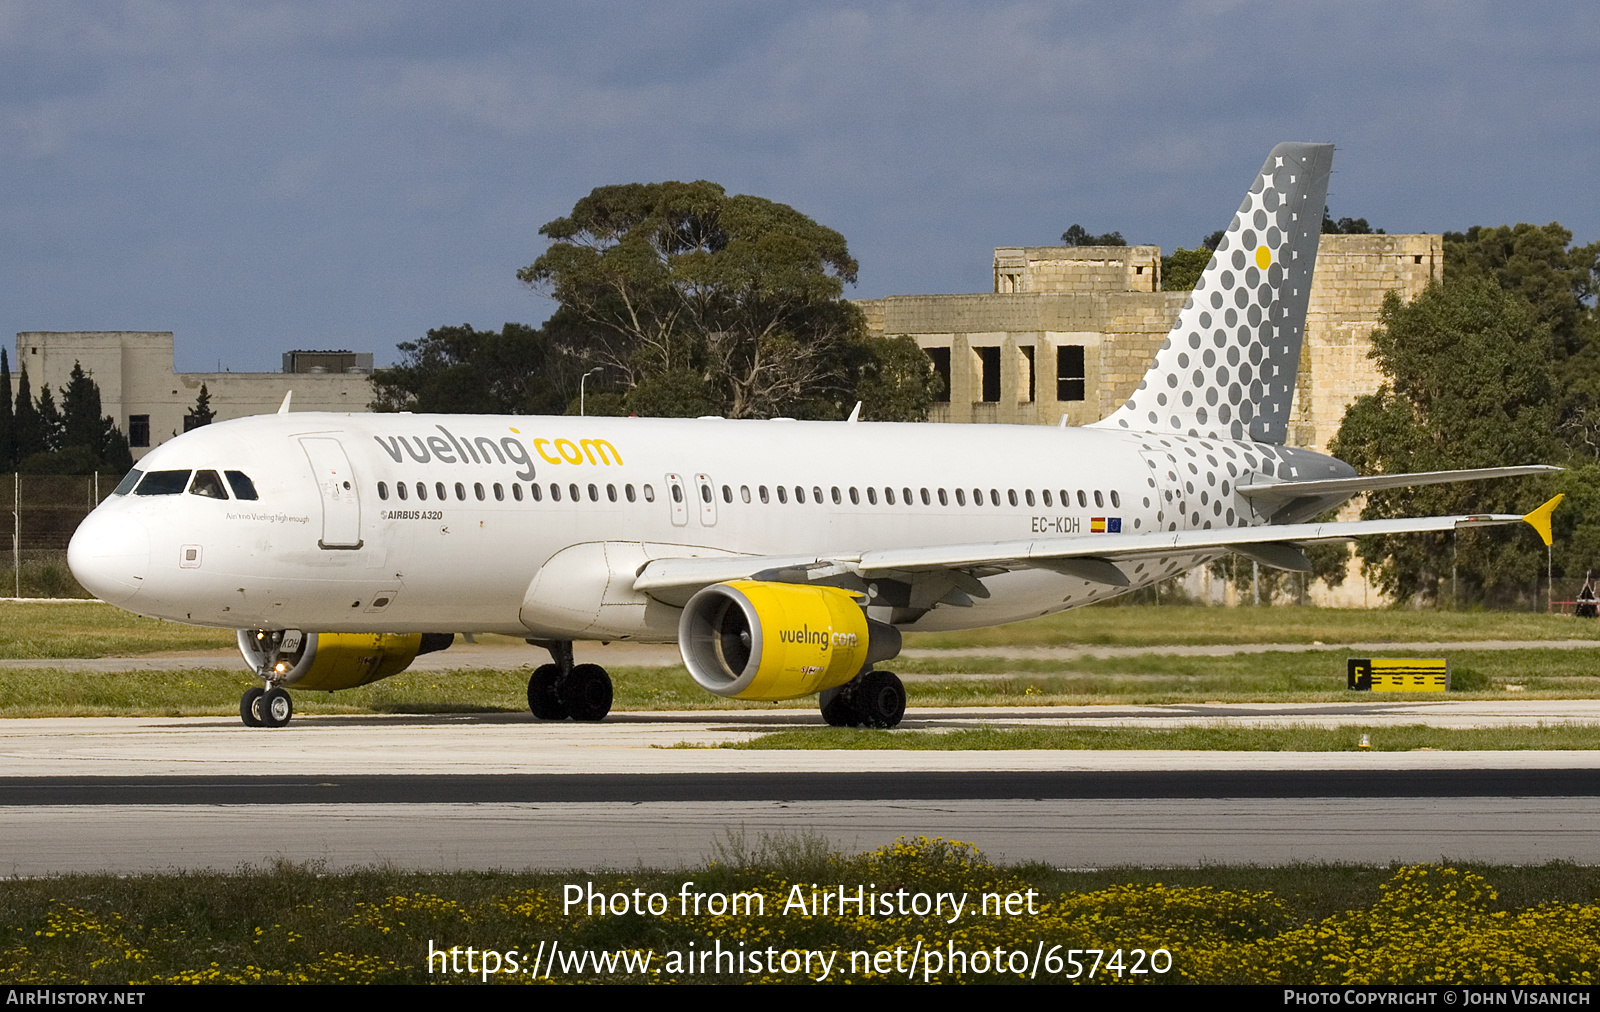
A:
x,y
44,510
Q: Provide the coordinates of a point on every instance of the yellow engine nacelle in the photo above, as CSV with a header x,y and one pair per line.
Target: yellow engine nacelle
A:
x,y
754,640
328,661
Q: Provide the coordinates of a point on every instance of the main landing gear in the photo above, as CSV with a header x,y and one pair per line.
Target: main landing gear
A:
x,y
270,707
870,699
563,689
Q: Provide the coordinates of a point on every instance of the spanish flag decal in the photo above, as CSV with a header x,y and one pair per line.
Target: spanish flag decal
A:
x,y
1097,525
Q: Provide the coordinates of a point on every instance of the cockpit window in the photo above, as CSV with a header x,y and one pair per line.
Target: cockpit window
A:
x,y
207,483
243,487
163,483
128,481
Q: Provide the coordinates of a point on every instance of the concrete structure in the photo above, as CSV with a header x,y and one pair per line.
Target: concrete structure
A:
x,y
149,399
1069,331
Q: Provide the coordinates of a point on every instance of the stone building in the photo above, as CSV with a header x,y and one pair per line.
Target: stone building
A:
x,y
149,400
1069,331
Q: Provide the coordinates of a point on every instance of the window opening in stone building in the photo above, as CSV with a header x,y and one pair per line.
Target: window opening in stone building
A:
x,y
941,365
139,427
989,363
1069,373
1027,368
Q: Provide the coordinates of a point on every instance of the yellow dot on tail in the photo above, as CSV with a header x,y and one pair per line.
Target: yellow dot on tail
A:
x,y
1263,257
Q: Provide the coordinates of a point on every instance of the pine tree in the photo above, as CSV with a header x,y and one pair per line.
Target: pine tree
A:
x,y
28,430
201,413
50,420
8,437
80,414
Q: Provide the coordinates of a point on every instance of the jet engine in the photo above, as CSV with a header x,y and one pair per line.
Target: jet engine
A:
x,y
755,640
328,661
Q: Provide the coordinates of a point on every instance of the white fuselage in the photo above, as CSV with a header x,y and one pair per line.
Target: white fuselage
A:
x,y
331,545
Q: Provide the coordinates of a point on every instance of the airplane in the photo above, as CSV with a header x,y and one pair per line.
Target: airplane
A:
x,y
785,558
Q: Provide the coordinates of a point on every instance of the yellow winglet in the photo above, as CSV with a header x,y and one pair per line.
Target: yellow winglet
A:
x,y
1539,519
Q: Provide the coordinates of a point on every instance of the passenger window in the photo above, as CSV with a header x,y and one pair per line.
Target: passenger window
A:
x,y
1098,501
383,490
611,492
783,494
744,493
422,491
838,500
977,497
944,500
1011,494
705,493
1028,494
477,490
461,492
727,494
500,492
816,494
677,493
555,492
925,500
163,483
961,497
128,481
594,493
761,490
908,500
1116,500
627,490
649,493
888,496
1083,500
872,496
208,484
572,490
438,490
799,494
855,497
1046,494
400,490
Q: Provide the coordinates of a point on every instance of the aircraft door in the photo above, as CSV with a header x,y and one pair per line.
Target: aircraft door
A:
x,y
677,500
707,491
337,489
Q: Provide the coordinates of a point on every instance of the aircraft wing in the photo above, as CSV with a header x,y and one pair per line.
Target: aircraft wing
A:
x,y
1091,556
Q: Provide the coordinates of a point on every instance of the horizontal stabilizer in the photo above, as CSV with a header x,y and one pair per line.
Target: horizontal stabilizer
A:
x,y
1286,490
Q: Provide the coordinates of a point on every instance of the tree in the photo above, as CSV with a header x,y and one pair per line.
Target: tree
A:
x,y
8,438
1347,226
87,440
665,281
1470,384
29,429
50,420
459,369
1077,235
201,413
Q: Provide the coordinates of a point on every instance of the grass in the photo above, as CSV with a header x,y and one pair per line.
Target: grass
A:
x,y
92,629
1197,625
1317,676
1300,923
1280,738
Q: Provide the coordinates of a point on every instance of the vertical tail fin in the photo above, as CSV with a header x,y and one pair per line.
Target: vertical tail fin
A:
x,y
1227,369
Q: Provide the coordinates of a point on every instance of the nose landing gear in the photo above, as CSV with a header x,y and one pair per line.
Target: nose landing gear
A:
x,y
271,706
563,689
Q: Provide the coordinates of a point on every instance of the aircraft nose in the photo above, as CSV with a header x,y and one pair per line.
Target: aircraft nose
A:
x,y
109,554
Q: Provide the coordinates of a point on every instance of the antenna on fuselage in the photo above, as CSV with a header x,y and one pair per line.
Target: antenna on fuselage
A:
x,y
855,413
283,409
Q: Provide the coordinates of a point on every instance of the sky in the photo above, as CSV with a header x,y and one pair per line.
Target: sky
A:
x,y
258,177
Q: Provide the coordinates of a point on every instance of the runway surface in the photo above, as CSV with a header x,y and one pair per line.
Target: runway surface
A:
x,y
504,791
